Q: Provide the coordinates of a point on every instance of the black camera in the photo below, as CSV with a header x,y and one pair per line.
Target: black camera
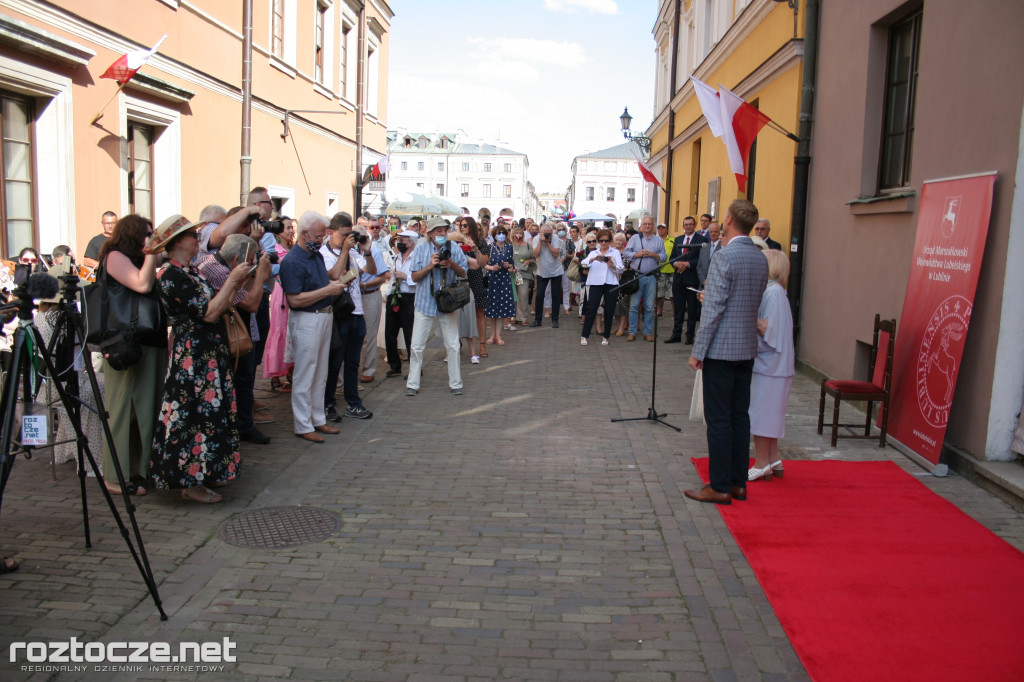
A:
x,y
360,238
271,226
445,252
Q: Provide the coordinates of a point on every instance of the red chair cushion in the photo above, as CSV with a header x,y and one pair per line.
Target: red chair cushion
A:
x,y
854,386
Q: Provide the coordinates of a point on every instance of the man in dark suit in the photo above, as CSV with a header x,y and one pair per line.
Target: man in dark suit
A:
x,y
704,260
725,350
684,301
762,229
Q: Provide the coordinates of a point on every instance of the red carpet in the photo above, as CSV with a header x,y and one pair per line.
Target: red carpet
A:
x,y
875,577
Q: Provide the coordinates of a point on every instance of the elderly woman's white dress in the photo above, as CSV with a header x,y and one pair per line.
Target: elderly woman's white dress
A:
x,y
773,366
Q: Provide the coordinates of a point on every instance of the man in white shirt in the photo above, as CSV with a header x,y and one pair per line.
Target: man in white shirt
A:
x,y
347,342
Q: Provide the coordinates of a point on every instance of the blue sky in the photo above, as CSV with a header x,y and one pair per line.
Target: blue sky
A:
x,y
545,77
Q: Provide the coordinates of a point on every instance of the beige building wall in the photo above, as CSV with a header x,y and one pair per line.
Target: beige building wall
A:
x,y
190,93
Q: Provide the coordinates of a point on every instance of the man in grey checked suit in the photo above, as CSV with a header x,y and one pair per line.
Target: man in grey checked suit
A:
x,y
725,349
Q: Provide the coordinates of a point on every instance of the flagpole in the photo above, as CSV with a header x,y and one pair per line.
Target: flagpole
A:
x,y
779,129
99,114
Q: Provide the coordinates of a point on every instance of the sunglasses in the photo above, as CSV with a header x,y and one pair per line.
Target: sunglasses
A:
x,y
591,241
603,241
29,260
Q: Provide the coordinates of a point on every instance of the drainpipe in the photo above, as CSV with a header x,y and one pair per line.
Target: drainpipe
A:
x,y
802,165
360,106
246,158
671,118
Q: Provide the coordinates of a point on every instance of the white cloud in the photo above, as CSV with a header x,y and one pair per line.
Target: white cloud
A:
x,y
507,70
566,54
598,6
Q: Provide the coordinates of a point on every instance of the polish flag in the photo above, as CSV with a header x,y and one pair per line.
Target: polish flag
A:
x,y
127,64
381,167
645,171
737,124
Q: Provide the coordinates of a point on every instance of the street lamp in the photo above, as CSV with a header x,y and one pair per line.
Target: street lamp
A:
x,y
643,142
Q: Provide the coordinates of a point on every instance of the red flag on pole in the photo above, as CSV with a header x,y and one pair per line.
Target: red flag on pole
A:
x,y
127,64
645,171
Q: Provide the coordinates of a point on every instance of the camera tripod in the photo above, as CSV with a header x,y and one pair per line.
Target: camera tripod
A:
x,y
67,335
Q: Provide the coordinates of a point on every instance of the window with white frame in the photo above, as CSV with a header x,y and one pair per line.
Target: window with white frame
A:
x,y
610,194
590,193
630,194
343,59
140,169
17,207
372,79
508,167
506,191
464,190
487,168
283,16
277,29
419,165
440,189
440,166
465,166
318,43
487,191
405,165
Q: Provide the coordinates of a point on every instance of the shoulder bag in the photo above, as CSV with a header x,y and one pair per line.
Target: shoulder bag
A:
x,y
452,297
239,339
121,320
573,271
628,282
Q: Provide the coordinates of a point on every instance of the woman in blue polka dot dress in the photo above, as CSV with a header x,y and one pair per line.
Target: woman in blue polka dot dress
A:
x,y
500,303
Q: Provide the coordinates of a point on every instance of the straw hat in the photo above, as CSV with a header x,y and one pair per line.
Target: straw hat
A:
x,y
168,230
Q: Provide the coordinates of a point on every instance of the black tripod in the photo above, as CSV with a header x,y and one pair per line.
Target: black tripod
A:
x,y
652,412
68,335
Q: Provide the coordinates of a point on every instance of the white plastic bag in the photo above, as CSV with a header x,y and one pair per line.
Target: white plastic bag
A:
x,y
697,401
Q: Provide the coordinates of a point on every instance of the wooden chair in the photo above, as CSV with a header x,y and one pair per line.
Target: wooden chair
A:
x,y
875,390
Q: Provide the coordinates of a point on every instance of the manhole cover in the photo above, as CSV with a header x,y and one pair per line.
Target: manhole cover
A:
x,y
280,527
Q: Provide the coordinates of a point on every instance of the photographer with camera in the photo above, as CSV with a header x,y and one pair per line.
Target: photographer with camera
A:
x,y
351,249
605,265
310,289
236,250
549,251
374,286
435,265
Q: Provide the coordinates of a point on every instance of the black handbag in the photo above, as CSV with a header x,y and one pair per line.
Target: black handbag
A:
x,y
343,303
111,307
452,297
629,282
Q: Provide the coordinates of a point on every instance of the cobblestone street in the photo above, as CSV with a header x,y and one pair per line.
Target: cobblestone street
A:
x,y
511,533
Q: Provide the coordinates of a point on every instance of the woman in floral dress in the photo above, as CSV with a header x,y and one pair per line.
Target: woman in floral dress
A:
x,y
196,441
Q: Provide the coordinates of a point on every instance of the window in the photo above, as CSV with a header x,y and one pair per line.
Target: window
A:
x,y
487,168
346,31
422,142
140,170
630,194
440,189
465,166
590,194
405,165
440,166
506,191
419,165
900,93
508,167
372,79
464,190
17,208
420,185
487,191
318,45
610,194
277,29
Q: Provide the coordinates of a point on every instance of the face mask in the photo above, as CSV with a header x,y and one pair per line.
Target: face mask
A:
x,y
402,247
313,245
440,241
561,233
499,238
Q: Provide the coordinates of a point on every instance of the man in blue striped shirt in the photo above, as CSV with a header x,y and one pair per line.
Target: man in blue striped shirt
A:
x,y
432,274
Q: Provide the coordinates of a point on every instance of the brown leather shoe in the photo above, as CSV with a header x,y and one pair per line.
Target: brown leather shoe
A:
x,y
631,337
366,379
738,493
327,428
649,337
312,436
708,494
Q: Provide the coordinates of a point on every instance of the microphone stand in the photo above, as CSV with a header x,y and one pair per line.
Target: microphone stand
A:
x,y
652,412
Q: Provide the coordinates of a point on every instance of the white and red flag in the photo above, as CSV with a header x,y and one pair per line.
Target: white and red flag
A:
x,y
645,170
737,123
127,64
381,167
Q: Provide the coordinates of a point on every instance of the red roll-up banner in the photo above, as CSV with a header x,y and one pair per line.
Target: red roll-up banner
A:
x,y
951,230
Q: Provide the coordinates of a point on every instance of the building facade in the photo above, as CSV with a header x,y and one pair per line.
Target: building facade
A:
x,y
170,140
607,181
470,175
906,93
754,48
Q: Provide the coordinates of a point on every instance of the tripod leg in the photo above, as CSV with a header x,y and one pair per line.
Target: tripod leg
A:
x,y
10,401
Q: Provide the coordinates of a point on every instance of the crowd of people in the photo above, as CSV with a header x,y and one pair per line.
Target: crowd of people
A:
x,y
313,292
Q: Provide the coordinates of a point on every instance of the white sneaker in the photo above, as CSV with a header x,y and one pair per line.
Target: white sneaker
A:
x,y
475,360
604,342
583,341
510,328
